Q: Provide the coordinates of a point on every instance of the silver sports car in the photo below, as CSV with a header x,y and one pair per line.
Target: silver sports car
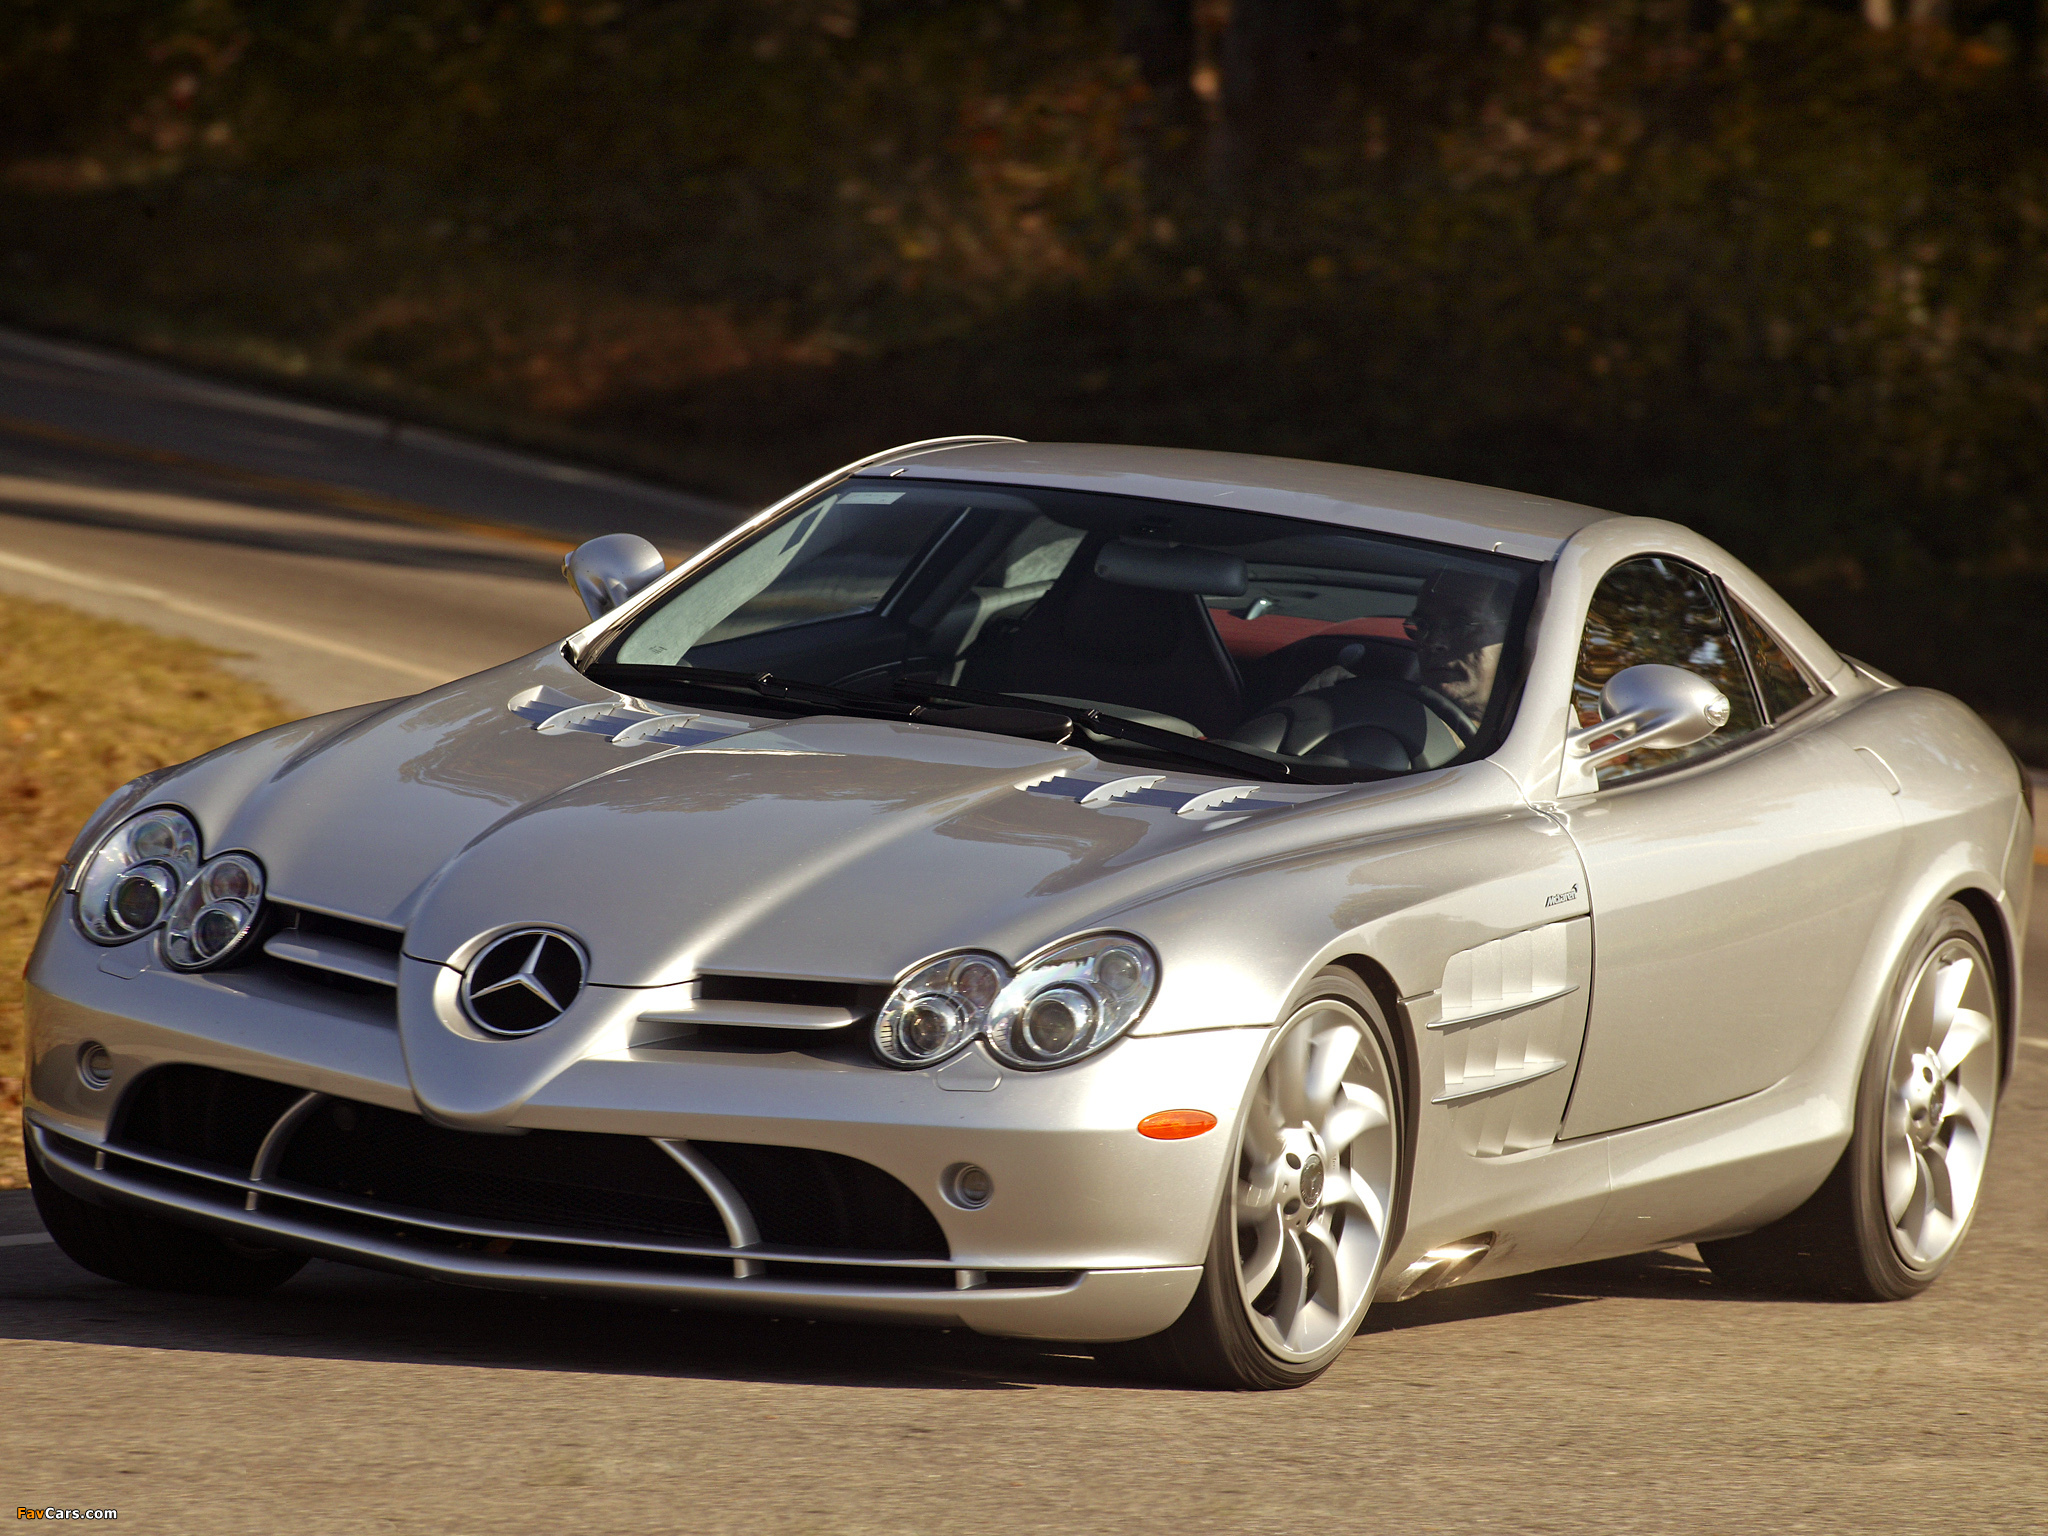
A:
x,y
1160,899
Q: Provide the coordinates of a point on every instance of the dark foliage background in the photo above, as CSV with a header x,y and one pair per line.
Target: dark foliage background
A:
x,y
1775,269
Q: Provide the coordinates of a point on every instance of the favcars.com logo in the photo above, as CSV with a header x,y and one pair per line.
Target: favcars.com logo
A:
x,y
23,1512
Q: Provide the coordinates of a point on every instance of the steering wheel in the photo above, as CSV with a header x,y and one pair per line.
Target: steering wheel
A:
x,y
1452,714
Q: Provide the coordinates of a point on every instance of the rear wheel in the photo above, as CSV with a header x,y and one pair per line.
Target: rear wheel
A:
x,y
1897,1206
140,1250
1307,1210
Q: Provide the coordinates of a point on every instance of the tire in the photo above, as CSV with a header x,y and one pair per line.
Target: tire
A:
x,y
1283,1290
1898,1205
157,1255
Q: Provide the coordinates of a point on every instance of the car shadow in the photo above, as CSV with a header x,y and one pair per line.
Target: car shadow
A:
x,y
1674,1274
332,1311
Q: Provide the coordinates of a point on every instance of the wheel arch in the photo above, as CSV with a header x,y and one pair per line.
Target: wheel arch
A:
x,y
1991,918
1379,981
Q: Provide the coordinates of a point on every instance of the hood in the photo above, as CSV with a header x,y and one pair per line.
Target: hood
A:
x,y
828,846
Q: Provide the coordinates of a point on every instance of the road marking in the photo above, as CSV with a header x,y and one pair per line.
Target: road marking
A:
x,y
25,1239
269,631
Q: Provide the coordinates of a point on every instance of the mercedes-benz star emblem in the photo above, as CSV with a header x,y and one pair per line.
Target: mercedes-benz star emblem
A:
x,y
523,981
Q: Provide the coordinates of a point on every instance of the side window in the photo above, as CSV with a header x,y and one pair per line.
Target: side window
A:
x,y
1657,610
1782,681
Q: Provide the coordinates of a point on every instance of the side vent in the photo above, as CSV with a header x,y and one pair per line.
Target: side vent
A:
x,y
1513,1018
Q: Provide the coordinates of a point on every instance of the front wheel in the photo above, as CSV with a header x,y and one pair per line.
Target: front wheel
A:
x,y
1897,1206
1307,1210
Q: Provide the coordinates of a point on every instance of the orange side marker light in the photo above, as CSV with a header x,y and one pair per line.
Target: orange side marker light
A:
x,y
1176,1124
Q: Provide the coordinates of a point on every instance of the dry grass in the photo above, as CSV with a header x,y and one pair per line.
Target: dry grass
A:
x,y
87,704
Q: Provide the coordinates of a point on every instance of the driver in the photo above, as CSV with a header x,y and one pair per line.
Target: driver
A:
x,y
1459,627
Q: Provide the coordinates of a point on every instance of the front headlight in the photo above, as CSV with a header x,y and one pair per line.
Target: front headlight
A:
x,y
215,913
1068,1003
135,875
1072,1001
938,1009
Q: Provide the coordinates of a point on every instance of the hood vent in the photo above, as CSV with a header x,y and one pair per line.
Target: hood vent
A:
x,y
625,721
1196,804
621,720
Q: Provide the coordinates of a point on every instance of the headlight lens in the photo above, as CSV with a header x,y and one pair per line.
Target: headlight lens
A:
x,y
938,1009
136,874
1072,1001
1068,1003
215,913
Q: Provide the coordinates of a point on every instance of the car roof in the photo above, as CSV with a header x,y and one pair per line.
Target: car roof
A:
x,y
1416,506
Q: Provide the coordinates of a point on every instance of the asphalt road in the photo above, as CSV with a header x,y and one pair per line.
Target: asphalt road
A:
x,y
340,559
1633,1396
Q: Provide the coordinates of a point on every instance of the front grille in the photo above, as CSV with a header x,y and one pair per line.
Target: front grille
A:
x,y
202,1114
569,1182
302,922
562,1179
854,997
310,922
807,1199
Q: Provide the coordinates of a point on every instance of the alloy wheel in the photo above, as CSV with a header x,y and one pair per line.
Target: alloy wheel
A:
x,y
1315,1181
1939,1100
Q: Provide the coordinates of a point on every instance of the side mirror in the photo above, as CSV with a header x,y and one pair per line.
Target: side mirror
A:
x,y
606,571
1643,707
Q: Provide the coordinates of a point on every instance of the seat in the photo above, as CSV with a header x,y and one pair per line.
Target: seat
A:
x,y
1089,638
1320,661
1360,722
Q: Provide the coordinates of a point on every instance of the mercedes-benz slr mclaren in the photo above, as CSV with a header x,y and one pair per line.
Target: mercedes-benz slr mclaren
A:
x,y
1166,900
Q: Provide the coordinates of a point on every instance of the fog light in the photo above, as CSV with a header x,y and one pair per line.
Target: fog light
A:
x,y
968,1186
95,1065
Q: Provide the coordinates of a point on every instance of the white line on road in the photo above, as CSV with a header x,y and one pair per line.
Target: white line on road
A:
x,y
298,637
25,1239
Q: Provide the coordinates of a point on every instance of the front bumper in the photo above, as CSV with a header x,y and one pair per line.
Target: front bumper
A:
x,y
1094,1233
1086,1306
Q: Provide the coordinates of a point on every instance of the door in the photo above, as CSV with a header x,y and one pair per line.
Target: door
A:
x,y
1733,883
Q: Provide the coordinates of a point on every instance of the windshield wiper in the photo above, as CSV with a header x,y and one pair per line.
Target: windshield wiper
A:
x,y
763,685
1193,749
1003,714
1037,722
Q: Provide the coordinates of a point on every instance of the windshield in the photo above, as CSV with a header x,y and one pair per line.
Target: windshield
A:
x,y
1296,642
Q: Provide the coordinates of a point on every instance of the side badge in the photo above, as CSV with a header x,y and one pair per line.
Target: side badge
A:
x,y
1563,898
